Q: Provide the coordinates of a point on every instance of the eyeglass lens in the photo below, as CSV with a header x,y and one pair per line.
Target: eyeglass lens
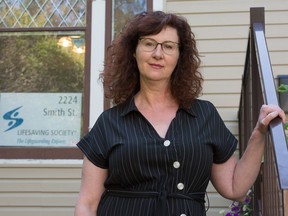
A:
x,y
150,45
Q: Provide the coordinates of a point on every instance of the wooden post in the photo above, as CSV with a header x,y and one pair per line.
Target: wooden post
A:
x,y
285,202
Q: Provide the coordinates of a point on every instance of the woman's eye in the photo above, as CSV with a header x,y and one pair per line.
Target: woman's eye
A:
x,y
149,44
168,46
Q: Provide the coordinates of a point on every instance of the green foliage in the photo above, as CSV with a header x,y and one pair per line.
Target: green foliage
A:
x,y
282,88
38,64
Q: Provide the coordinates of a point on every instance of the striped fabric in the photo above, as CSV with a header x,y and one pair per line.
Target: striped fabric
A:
x,y
140,161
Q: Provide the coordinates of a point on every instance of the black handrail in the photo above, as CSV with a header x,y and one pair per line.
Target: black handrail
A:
x,y
270,97
257,88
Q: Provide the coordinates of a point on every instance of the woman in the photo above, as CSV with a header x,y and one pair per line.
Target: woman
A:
x,y
156,150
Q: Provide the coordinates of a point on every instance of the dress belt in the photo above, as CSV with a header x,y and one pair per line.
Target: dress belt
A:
x,y
161,209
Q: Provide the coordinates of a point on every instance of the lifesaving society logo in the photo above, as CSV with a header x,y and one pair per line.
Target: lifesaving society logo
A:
x,y
13,119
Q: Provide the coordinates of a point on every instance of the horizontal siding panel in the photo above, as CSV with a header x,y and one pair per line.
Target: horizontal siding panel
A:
x,y
231,19
222,73
221,32
218,19
37,211
279,58
236,72
238,45
276,31
41,163
223,59
186,7
277,44
39,173
38,199
238,59
228,114
238,32
279,70
223,100
222,86
32,185
222,45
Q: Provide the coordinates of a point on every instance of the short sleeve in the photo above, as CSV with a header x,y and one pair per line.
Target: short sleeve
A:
x,y
94,144
224,142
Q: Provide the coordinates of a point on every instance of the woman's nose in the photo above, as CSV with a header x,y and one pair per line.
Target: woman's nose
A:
x,y
158,51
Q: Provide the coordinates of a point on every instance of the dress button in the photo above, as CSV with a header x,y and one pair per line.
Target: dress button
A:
x,y
183,215
167,143
180,186
176,164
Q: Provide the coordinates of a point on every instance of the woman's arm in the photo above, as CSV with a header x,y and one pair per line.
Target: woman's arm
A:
x,y
234,178
92,188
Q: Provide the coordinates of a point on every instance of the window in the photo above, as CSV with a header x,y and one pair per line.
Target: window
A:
x,y
44,52
45,70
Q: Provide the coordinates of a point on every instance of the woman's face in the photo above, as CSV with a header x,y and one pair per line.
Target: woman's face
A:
x,y
156,62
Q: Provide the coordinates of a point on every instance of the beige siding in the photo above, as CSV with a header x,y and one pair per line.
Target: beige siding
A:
x,y
39,188
221,29
45,188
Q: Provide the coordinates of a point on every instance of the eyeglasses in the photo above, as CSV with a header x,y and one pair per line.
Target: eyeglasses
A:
x,y
149,45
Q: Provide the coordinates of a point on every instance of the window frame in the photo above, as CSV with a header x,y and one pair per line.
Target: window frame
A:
x,y
46,152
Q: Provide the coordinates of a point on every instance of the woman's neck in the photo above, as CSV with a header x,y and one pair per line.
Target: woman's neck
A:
x,y
154,100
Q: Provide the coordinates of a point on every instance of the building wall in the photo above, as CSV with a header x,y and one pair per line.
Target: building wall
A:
x,y
50,187
39,187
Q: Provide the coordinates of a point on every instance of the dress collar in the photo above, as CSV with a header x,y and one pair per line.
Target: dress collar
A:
x,y
129,106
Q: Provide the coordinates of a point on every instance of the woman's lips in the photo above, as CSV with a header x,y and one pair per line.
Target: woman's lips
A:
x,y
156,66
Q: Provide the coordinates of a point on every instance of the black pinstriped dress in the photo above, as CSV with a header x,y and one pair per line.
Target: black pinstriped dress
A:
x,y
154,176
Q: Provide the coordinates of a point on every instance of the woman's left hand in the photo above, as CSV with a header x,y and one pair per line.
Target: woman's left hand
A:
x,y
267,114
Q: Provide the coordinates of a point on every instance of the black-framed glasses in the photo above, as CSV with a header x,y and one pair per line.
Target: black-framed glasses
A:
x,y
149,45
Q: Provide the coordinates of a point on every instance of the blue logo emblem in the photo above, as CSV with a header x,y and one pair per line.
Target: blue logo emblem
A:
x,y
11,116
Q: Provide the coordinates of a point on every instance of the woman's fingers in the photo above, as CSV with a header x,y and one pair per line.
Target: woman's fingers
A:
x,y
267,114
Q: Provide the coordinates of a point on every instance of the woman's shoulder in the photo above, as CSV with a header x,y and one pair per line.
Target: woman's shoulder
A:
x,y
202,107
203,104
115,110
118,110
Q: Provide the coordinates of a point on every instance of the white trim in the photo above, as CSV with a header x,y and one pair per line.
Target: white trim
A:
x,y
158,5
97,60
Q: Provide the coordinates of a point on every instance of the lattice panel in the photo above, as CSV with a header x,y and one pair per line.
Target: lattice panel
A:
x,y
42,13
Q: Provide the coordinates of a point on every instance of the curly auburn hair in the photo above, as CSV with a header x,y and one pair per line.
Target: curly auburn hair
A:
x,y
121,77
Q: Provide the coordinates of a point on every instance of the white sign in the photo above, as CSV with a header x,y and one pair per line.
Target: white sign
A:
x,y
40,119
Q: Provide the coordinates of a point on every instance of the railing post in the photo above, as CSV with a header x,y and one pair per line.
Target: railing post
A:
x,y
255,102
285,202
256,16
